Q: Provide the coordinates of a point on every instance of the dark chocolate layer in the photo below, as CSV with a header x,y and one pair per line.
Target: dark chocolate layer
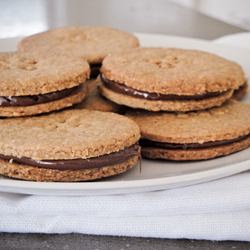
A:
x,y
14,101
121,88
240,92
186,146
95,70
78,164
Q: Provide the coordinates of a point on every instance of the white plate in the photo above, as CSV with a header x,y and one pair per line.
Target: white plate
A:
x,y
241,40
154,175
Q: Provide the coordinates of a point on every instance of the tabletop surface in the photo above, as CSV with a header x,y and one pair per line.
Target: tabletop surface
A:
x,y
140,16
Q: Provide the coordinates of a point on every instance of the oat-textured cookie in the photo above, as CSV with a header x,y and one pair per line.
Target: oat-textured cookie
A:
x,y
32,84
95,101
195,135
169,79
72,145
91,43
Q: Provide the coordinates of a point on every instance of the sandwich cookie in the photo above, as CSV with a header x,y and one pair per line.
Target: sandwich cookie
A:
x,y
196,135
95,101
31,84
73,145
91,43
170,79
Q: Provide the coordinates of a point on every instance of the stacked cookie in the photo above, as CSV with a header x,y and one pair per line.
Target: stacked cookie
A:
x,y
50,72
191,91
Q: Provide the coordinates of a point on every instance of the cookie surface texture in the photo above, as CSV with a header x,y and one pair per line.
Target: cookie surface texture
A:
x,y
91,43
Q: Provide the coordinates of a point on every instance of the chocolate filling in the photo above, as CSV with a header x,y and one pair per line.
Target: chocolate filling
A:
x,y
95,70
28,100
240,92
78,164
121,88
187,146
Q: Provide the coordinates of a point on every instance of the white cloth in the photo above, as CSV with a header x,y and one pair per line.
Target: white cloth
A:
x,y
218,210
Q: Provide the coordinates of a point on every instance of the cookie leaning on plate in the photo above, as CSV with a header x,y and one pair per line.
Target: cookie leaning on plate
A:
x,y
73,145
95,101
32,84
169,79
196,135
91,43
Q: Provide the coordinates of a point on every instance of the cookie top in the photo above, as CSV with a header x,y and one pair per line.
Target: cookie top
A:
x,y
30,74
69,134
230,121
173,71
92,43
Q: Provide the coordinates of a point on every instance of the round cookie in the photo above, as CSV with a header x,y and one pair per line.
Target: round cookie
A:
x,y
95,101
169,79
73,145
91,43
196,135
32,84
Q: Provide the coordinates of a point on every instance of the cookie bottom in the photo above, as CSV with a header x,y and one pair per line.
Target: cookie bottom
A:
x,y
25,172
43,107
194,154
183,106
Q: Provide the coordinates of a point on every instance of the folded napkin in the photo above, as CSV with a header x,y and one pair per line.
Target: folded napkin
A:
x,y
217,210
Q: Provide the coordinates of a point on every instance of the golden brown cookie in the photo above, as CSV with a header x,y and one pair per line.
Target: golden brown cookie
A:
x,y
196,135
91,43
72,145
95,101
169,79
32,84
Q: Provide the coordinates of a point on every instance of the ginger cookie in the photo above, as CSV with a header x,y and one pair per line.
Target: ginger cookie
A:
x,y
169,79
91,43
95,101
196,135
73,145
31,84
